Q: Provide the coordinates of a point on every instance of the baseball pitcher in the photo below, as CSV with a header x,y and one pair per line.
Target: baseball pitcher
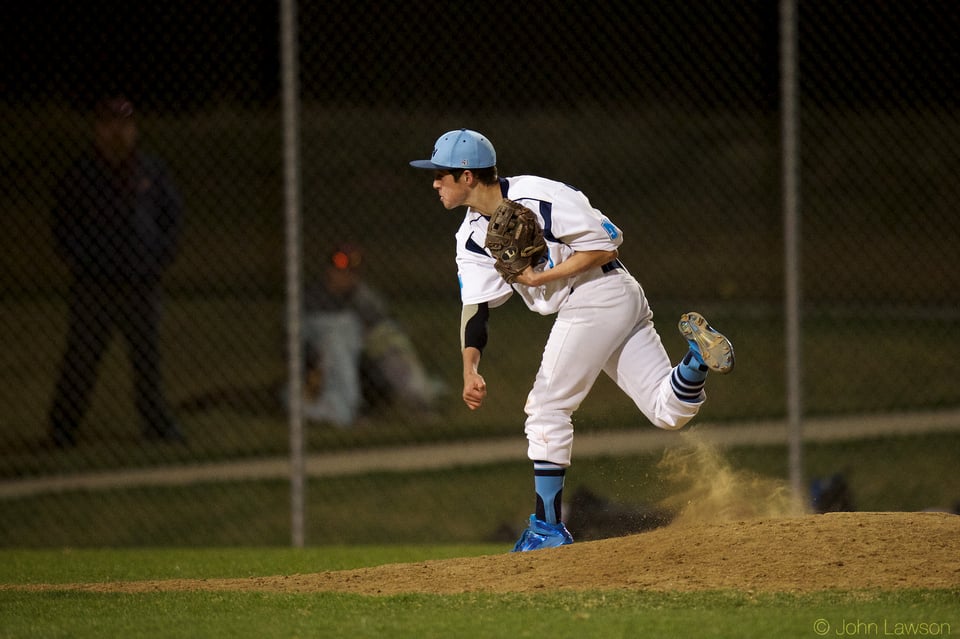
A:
x,y
542,240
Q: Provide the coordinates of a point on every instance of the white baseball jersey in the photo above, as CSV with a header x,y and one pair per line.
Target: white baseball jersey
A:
x,y
604,322
569,224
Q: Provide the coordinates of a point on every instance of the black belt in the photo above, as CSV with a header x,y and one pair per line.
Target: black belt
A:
x,y
612,265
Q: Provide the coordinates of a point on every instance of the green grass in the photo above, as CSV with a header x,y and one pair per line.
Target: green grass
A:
x,y
603,614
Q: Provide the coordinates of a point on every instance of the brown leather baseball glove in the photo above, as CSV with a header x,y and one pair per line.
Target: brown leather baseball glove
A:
x,y
515,238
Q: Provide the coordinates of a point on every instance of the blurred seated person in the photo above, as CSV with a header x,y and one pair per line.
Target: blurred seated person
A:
x,y
357,358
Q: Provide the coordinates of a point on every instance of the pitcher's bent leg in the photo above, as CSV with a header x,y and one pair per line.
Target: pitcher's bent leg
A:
x,y
642,369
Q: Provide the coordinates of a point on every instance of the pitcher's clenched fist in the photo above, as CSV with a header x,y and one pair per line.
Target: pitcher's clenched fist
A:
x,y
474,390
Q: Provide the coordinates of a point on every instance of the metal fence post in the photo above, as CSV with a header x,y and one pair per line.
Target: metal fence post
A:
x,y
791,239
292,207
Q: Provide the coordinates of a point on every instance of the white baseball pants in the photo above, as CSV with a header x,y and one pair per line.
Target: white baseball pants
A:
x,y
605,325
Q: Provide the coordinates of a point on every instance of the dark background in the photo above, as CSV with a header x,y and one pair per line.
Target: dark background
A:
x,y
664,113
570,51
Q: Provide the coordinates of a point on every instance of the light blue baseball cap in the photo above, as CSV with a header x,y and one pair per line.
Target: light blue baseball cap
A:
x,y
460,149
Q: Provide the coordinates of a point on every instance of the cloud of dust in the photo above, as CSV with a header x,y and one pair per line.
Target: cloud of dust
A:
x,y
708,489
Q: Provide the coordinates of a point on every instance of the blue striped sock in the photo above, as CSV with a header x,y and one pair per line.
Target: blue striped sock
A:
x,y
688,378
548,483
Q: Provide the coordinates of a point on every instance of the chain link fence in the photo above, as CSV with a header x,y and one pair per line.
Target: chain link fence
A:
x,y
665,114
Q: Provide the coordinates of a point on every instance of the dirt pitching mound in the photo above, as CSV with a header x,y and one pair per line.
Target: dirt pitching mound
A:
x,y
844,551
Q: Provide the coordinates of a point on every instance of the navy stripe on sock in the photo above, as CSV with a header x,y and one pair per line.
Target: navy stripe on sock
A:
x,y
550,472
548,469
684,389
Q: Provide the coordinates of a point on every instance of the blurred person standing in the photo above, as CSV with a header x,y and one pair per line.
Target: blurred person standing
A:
x,y
116,222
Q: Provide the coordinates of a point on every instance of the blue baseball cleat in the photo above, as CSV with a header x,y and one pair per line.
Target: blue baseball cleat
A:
x,y
709,346
539,534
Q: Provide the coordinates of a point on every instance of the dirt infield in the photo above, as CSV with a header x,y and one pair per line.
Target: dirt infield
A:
x,y
843,551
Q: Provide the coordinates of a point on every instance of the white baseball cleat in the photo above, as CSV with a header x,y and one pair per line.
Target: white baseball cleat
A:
x,y
709,346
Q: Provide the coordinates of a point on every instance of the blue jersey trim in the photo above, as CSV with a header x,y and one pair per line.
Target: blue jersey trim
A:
x,y
474,247
546,211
